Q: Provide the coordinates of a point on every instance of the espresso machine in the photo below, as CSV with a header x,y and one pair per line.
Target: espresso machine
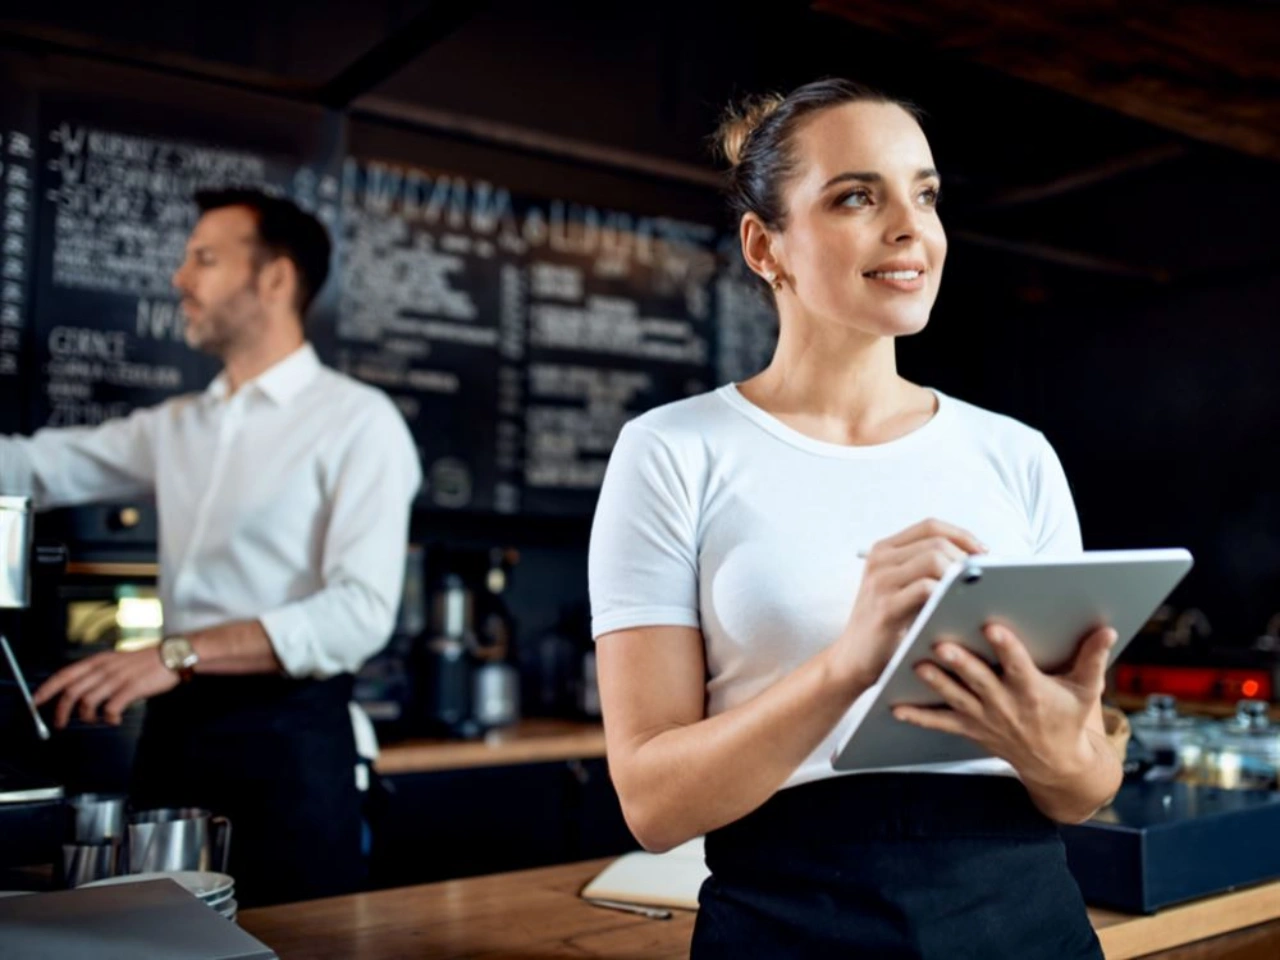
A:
x,y
469,682
30,805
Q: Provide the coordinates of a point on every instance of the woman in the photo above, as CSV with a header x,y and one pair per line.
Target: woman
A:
x,y
759,550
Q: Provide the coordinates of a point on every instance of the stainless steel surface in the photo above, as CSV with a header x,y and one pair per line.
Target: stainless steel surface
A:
x,y
155,920
42,731
96,817
496,695
185,838
453,610
86,862
31,794
15,552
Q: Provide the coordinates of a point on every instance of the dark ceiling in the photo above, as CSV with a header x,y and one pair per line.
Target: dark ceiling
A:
x,y
1208,69
1128,139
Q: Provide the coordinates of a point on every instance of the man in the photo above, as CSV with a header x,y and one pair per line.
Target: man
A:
x,y
283,493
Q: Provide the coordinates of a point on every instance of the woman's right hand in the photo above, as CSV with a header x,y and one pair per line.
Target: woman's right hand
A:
x,y
900,574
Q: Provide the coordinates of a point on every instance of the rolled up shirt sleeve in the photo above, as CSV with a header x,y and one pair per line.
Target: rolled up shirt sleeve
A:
x,y
66,466
337,628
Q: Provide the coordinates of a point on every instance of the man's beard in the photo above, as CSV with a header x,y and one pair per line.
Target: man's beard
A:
x,y
221,328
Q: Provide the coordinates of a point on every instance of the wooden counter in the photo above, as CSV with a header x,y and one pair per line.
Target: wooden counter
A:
x,y
537,913
530,741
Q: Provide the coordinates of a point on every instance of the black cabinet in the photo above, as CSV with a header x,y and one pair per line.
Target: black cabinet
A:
x,y
459,823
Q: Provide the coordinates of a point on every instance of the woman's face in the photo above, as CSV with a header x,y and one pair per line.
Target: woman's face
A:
x,y
863,246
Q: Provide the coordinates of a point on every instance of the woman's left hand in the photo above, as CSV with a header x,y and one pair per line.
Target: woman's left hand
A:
x,y
1040,723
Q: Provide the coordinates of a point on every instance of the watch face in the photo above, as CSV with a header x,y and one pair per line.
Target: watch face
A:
x,y
176,653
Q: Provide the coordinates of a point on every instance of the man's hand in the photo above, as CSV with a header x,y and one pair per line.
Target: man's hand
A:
x,y
111,681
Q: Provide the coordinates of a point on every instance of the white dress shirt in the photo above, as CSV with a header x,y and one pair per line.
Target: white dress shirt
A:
x,y
287,502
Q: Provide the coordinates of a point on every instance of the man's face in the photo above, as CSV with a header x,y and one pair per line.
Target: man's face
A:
x,y
218,281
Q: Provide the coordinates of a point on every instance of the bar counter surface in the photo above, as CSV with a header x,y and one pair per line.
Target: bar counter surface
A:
x,y
530,741
538,914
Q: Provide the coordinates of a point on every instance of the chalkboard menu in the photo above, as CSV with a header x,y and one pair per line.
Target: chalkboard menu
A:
x,y
746,322
620,320
517,334
518,311
113,216
17,200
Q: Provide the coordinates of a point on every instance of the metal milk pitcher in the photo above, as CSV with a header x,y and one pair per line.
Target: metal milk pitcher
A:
x,y
178,838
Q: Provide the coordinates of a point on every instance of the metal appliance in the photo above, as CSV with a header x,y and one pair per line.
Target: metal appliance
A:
x,y
469,681
30,805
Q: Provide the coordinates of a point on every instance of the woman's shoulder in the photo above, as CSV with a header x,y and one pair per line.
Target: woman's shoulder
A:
x,y
999,432
693,418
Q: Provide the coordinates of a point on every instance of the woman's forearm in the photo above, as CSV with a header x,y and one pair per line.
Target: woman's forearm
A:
x,y
683,781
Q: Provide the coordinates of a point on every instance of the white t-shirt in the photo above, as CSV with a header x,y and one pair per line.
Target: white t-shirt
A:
x,y
716,515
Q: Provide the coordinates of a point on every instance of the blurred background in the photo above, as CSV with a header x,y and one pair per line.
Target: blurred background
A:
x,y
532,249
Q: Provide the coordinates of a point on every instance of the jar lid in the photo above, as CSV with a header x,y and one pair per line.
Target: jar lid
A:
x,y
1253,718
1251,730
1161,713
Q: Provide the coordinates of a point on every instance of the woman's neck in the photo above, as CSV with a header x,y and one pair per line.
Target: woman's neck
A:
x,y
838,385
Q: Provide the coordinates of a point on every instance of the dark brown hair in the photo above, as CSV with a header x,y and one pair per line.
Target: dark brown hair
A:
x,y
757,138
284,230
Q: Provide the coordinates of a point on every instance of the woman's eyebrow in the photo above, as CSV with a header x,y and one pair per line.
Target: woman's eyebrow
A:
x,y
872,177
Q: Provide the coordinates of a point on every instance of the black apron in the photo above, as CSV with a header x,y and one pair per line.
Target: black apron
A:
x,y
910,866
277,757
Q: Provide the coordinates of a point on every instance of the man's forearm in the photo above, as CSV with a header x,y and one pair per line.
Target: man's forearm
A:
x,y
239,647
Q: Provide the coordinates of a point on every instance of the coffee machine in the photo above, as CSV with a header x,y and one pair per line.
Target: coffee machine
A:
x,y
30,805
469,682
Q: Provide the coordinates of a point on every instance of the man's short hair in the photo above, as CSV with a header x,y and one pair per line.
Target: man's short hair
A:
x,y
284,230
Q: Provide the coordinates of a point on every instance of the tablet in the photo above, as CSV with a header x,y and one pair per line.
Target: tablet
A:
x,y
1052,603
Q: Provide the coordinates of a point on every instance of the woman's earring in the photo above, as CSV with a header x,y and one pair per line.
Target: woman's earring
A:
x,y
771,278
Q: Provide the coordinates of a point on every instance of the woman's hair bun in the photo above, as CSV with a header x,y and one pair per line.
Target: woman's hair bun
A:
x,y
739,122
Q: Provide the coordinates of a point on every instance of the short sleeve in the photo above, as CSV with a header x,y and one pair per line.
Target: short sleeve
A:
x,y
1055,526
643,557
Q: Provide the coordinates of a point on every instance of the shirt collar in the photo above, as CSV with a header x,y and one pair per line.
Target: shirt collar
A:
x,y
279,383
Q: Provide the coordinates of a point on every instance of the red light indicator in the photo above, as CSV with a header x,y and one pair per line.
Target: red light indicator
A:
x,y
1249,688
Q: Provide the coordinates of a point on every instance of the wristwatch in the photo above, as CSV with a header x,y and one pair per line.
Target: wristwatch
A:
x,y
178,655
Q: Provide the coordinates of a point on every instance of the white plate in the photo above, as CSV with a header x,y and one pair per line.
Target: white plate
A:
x,y
204,884
221,900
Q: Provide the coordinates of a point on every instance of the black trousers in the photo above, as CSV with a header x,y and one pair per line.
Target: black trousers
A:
x,y
891,866
277,757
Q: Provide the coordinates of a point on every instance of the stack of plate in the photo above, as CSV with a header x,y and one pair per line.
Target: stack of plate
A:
x,y
216,889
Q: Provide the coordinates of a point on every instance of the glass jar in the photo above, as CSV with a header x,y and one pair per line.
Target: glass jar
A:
x,y
1176,742
1243,753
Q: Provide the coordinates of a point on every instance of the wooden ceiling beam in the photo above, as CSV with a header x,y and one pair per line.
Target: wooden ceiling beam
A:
x,y
1076,259
1207,69
1079,180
